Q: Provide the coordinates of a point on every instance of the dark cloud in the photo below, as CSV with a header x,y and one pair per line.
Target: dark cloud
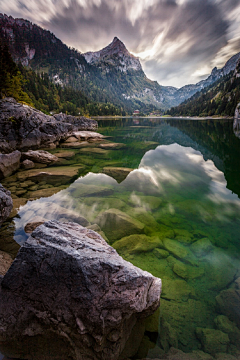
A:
x,y
174,38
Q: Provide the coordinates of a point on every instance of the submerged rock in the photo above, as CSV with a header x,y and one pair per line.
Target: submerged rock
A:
x,y
6,204
213,341
69,295
116,224
229,304
9,163
118,173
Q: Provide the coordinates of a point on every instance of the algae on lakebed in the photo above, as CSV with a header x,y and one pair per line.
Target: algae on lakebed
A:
x,y
172,216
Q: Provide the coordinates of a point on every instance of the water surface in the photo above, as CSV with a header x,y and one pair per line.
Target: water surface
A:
x,y
167,200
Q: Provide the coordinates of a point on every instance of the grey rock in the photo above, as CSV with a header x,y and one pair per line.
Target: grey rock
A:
x,y
69,295
27,164
9,163
23,127
78,122
39,156
6,204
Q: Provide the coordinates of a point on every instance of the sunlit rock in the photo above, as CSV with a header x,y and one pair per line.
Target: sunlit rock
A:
x,y
39,156
70,295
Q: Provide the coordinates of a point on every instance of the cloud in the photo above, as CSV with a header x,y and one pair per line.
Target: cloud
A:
x,y
175,39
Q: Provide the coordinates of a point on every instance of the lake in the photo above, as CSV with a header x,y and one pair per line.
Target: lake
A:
x,y
165,195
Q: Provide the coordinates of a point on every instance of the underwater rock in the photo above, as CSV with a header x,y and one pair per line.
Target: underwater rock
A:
x,y
229,304
95,151
69,295
178,250
213,341
51,175
202,247
6,204
224,324
79,190
116,224
39,156
9,163
16,205
112,146
185,271
27,164
117,173
35,222
136,243
177,290
176,354
65,154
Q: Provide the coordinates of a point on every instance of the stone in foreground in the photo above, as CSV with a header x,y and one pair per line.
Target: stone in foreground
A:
x,y
6,204
69,295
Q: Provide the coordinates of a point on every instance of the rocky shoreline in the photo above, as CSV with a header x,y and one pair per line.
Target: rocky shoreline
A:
x,y
23,127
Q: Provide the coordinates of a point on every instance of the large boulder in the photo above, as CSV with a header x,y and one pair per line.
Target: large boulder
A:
x,y
9,163
23,127
6,204
69,295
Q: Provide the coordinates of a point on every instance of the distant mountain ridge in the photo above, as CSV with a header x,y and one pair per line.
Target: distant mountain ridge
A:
x,y
110,74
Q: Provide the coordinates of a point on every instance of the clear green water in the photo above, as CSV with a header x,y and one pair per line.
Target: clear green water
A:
x,y
176,215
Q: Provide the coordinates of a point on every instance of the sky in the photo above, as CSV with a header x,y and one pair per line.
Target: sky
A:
x,y
178,42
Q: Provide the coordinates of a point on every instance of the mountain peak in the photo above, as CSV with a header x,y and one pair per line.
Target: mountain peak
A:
x,y
114,54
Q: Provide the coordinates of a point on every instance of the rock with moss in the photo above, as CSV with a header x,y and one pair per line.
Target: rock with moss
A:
x,y
116,224
228,302
229,327
137,243
86,302
213,341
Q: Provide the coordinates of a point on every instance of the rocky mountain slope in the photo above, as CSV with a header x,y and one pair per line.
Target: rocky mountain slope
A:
x,y
108,75
219,98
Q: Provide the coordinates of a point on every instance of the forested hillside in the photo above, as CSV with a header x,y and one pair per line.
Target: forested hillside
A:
x,y
220,98
40,92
